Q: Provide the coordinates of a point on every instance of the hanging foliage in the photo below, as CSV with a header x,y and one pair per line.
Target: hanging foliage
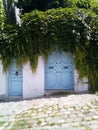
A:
x,y
2,15
70,29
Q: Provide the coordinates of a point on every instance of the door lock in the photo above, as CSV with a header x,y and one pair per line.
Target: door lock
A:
x,y
16,73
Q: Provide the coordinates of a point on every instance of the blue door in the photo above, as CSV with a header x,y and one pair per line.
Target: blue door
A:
x,y
51,77
59,71
14,80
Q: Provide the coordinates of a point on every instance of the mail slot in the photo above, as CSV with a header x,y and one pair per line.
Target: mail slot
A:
x,y
65,67
51,67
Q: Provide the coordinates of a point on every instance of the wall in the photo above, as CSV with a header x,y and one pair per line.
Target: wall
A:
x,y
80,86
33,83
3,82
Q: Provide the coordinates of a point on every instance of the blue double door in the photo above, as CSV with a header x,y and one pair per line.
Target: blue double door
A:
x,y
59,71
15,80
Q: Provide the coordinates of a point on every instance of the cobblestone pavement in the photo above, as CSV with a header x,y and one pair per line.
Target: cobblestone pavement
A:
x,y
65,112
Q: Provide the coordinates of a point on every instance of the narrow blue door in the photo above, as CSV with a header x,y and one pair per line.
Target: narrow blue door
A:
x,y
51,77
65,71
59,71
14,80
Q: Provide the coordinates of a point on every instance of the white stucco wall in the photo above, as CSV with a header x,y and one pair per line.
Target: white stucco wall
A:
x,y
33,83
3,81
80,85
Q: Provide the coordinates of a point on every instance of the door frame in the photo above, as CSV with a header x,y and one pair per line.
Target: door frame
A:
x,y
58,90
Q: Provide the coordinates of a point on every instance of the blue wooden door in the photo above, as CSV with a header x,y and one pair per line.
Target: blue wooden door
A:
x,y
65,71
14,80
51,72
59,71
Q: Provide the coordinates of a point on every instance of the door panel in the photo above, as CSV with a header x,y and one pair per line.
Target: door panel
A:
x,y
15,80
66,71
65,80
51,80
65,58
52,58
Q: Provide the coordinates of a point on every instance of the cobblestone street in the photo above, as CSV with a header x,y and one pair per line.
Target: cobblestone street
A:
x,y
61,112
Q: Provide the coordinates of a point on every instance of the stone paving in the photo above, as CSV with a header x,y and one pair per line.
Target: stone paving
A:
x,y
61,112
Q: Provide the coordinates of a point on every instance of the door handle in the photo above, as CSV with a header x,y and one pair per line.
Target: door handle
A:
x,y
51,67
65,67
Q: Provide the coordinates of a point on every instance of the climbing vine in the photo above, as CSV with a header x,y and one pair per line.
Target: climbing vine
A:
x,y
2,15
69,29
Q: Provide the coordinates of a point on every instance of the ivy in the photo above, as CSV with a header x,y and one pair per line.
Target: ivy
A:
x,y
69,29
2,15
